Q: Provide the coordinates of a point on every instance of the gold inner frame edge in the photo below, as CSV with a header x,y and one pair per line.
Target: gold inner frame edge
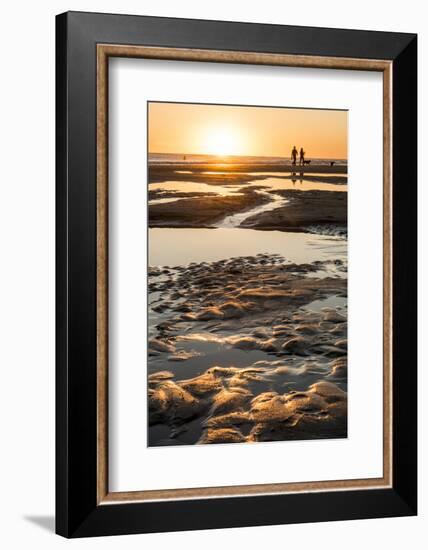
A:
x,y
104,51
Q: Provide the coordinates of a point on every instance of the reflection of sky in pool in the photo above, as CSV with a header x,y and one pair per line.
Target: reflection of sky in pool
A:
x,y
179,246
298,184
193,187
270,182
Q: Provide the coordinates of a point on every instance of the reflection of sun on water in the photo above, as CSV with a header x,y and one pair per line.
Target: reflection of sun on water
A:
x,y
222,142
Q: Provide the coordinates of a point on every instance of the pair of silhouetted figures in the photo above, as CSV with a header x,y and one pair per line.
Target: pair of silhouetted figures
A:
x,y
302,154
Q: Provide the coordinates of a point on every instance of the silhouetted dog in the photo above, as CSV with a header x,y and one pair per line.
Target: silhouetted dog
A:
x,y
307,162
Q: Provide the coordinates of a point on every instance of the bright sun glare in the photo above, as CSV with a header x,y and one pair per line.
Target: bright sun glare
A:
x,y
221,142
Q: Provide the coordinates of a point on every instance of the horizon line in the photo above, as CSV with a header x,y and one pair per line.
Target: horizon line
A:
x,y
253,156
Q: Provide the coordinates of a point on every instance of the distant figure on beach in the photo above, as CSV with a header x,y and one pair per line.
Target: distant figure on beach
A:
x,y
332,163
302,156
294,155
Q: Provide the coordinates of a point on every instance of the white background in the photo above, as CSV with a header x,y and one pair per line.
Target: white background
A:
x,y
134,466
27,274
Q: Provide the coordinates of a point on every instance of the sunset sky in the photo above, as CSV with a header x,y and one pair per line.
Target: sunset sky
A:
x,y
259,131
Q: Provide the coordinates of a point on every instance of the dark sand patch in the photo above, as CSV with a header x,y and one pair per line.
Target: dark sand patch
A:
x,y
202,212
305,208
156,194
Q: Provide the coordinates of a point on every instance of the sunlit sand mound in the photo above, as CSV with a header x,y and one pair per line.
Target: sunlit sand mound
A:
x,y
233,413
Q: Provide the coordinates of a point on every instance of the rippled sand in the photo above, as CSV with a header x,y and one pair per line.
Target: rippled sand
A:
x,y
247,349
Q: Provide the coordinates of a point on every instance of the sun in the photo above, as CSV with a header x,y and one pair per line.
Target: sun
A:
x,y
221,142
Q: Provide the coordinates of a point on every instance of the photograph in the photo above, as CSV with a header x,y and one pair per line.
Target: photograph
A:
x,y
247,273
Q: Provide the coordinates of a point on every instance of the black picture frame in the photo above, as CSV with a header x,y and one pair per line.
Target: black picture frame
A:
x,y
77,511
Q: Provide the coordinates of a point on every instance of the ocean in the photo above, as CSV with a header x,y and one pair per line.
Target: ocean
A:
x,y
168,158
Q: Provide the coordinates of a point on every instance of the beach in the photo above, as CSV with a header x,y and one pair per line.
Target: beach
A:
x,y
247,302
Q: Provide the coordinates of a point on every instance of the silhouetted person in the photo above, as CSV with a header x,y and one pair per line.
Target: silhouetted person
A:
x,y
294,155
302,156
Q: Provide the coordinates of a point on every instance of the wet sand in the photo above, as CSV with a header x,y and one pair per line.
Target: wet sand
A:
x,y
303,209
240,351
223,171
202,212
225,193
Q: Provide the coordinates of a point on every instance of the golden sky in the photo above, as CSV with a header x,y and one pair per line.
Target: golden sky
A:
x,y
260,131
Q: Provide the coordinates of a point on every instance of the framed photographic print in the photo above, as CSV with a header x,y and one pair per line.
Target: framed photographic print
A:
x,y
236,274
